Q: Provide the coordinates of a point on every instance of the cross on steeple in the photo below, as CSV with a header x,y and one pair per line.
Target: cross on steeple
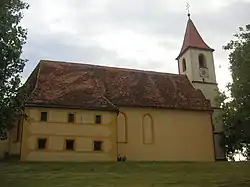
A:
x,y
192,39
188,9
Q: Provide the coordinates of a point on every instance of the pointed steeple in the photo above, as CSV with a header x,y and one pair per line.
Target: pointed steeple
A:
x,y
192,39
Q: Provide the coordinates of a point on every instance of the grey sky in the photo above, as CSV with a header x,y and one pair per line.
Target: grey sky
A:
x,y
141,34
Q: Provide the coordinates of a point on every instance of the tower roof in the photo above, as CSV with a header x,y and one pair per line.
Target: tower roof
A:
x,y
192,39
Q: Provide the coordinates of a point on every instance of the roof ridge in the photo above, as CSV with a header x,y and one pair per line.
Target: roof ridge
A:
x,y
110,67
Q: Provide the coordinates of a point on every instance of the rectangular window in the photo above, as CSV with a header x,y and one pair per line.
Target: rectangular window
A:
x,y
71,118
70,144
41,143
98,145
43,116
98,119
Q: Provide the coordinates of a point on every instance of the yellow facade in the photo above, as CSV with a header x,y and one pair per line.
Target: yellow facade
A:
x,y
57,130
140,134
167,135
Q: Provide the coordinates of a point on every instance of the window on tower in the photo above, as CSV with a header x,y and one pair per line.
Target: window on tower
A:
x,y
184,66
202,61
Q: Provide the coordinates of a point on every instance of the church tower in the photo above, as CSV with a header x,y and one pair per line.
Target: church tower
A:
x,y
196,61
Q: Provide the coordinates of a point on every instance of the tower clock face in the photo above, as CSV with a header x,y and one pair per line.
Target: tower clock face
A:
x,y
204,73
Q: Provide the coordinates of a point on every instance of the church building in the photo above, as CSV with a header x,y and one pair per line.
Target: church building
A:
x,y
83,112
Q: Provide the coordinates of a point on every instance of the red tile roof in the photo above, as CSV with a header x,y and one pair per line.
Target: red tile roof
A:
x,y
192,39
63,84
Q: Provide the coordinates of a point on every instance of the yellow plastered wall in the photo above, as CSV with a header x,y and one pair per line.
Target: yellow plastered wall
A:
x,y
176,135
56,130
15,139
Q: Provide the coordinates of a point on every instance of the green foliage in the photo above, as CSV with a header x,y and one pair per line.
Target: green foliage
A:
x,y
236,107
12,38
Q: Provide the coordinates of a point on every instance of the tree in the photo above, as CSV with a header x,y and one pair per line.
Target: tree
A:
x,y
12,38
236,107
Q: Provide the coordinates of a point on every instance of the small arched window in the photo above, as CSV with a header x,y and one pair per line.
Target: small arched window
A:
x,y
184,65
122,128
147,127
202,61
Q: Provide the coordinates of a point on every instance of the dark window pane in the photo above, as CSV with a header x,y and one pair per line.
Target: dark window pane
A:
x,y
42,143
43,116
202,61
97,145
184,66
71,118
70,144
98,119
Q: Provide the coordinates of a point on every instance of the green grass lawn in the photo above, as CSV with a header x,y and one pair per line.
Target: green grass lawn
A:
x,y
132,174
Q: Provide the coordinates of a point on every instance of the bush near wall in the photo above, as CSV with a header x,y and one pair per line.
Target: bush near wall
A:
x,y
3,148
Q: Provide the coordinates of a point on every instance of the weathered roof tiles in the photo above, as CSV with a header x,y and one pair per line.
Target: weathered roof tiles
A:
x,y
99,87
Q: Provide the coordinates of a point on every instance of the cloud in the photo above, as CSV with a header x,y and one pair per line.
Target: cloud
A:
x,y
142,34
51,49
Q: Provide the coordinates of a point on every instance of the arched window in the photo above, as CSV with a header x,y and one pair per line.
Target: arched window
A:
x,y
184,66
147,129
122,128
202,61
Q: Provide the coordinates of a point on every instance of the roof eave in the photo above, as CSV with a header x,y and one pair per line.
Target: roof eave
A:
x,y
191,47
205,109
70,107
112,109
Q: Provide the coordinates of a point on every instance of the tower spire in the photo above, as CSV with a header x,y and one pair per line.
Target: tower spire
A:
x,y
192,39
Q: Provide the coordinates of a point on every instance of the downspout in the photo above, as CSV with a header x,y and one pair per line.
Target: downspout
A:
x,y
117,152
117,113
24,116
211,119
